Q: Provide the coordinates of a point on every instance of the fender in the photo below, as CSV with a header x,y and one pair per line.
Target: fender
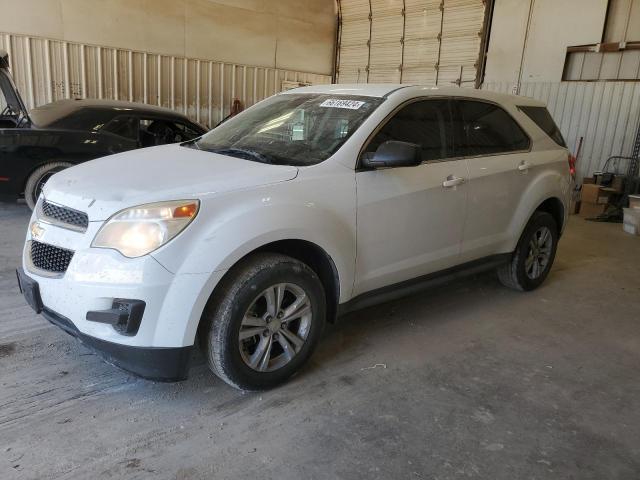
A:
x,y
550,184
197,301
249,219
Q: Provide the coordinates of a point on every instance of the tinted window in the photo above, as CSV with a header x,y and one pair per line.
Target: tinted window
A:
x,y
187,131
425,123
157,131
542,118
484,129
123,126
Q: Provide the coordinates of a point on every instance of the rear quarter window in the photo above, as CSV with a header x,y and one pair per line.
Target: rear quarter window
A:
x,y
542,118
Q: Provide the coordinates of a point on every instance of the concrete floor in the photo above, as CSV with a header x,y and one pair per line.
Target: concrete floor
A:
x,y
470,380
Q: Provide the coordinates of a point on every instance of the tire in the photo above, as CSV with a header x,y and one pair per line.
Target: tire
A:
x,y
240,306
38,178
526,270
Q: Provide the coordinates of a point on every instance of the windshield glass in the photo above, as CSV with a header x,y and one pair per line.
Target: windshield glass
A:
x,y
291,129
3,102
12,111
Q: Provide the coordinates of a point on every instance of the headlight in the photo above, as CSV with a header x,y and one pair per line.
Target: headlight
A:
x,y
137,231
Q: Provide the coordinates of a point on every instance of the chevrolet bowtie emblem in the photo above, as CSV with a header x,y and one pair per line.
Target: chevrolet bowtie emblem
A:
x,y
36,230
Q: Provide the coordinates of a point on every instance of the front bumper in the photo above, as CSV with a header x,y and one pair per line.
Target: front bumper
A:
x,y
85,299
165,364
96,277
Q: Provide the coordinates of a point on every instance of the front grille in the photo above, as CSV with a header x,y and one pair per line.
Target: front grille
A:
x,y
64,215
49,258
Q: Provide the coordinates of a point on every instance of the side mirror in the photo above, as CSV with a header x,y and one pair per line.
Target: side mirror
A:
x,y
393,154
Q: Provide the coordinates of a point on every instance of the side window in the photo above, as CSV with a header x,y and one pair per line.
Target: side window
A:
x,y
485,129
424,123
157,131
542,118
123,126
185,132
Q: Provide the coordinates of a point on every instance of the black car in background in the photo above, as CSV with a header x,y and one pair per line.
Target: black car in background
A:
x,y
38,143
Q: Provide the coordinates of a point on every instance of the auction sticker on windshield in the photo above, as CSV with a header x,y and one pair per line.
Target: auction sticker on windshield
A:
x,y
339,103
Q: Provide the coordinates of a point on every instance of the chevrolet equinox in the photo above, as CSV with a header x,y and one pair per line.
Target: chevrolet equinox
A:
x,y
307,205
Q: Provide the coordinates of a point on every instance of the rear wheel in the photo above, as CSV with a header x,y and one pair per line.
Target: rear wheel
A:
x,y
534,254
265,321
40,176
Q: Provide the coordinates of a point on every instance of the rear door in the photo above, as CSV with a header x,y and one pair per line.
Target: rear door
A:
x,y
410,219
496,148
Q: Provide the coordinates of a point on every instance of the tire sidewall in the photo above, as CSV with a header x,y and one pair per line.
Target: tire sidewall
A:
x,y
223,336
35,178
541,219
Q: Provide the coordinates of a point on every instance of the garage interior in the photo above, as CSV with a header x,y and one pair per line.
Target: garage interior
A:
x,y
467,380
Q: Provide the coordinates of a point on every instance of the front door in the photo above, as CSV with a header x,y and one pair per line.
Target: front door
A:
x,y
410,220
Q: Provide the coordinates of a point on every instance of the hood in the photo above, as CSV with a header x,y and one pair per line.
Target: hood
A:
x,y
9,89
170,172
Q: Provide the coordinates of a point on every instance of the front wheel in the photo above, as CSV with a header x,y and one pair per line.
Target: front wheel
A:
x,y
532,260
35,182
264,321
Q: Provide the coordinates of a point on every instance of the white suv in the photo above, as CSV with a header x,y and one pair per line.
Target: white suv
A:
x,y
309,204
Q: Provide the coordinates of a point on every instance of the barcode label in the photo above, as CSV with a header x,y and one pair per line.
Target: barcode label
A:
x,y
338,103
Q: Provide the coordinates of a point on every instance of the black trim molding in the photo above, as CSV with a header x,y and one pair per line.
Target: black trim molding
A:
x,y
164,364
415,285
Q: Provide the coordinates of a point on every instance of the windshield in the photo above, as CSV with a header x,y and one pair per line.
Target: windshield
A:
x,y
3,101
12,111
291,129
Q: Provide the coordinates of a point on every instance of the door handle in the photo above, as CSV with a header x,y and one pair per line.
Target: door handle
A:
x,y
452,181
524,166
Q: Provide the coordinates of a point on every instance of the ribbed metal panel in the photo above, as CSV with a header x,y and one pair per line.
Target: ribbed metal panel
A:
x,y
410,41
46,70
421,41
355,31
387,25
461,34
605,114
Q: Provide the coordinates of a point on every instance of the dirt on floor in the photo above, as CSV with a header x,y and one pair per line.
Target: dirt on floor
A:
x,y
469,380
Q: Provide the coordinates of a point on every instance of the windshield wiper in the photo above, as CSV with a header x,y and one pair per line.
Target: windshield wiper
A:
x,y
243,153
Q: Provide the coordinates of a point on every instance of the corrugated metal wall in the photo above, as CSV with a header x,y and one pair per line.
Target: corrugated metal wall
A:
x,y
432,42
605,114
46,70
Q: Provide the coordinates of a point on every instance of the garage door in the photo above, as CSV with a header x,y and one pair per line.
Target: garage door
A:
x,y
409,41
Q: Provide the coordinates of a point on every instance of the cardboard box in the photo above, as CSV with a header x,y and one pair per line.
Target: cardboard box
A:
x,y
596,194
592,210
634,201
588,181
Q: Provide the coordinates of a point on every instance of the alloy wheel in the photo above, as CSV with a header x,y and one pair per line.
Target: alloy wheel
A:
x,y
540,247
275,327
